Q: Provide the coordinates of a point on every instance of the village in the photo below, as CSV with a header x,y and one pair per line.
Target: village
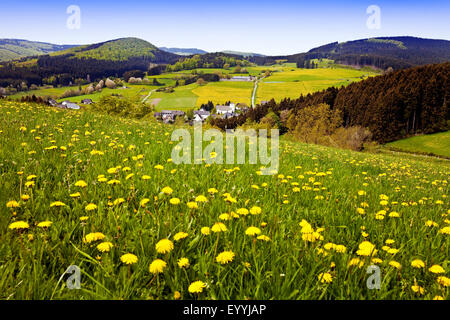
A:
x,y
201,115
170,116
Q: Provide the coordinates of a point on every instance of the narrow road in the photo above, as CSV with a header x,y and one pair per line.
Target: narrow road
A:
x,y
148,96
254,91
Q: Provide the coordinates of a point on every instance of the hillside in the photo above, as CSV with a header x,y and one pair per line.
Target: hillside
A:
x,y
111,58
11,49
92,190
395,52
430,144
183,51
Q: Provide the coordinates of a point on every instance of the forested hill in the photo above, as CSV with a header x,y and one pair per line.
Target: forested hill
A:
x,y
395,52
392,106
111,58
11,49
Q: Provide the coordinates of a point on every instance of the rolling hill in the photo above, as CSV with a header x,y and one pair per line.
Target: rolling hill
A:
x,y
11,49
110,58
385,52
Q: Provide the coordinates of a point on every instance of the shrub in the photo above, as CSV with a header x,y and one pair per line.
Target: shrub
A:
x,y
129,107
110,84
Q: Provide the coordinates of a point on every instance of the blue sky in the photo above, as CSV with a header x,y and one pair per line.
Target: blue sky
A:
x,y
263,26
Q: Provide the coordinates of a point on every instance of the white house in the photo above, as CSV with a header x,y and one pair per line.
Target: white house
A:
x,y
201,115
226,109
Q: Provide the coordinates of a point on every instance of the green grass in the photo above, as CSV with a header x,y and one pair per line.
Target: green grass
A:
x,y
182,99
437,144
45,151
132,90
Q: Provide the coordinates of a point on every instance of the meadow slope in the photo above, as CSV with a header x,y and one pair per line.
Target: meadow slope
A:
x,y
101,193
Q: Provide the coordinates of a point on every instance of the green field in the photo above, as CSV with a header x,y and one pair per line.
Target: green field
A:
x,y
182,99
437,144
292,82
101,193
286,81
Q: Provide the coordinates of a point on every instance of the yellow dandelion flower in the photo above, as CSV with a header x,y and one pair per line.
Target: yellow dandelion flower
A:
x,y
44,224
263,238
252,231
197,287
436,269
177,295
157,266
94,236
395,264
84,218
355,262
129,258
174,201
366,249
104,246
183,263
75,195
167,190
18,225
325,277
255,210
90,207
201,198
143,202
418,289
12,204
225,216
219,227
180,236
206,231
192,205
444,281
417,263
212,190
81,184
225,257
57,204
164,246
394,214
242,211
113,182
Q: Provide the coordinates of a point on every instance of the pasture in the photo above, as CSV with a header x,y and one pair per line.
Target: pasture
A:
x,y
103,193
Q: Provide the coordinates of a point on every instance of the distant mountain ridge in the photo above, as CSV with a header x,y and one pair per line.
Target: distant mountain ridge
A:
x,y
11,49
244,54
184,51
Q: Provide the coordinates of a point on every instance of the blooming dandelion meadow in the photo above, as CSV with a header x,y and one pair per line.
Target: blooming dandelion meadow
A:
x,y
131,171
